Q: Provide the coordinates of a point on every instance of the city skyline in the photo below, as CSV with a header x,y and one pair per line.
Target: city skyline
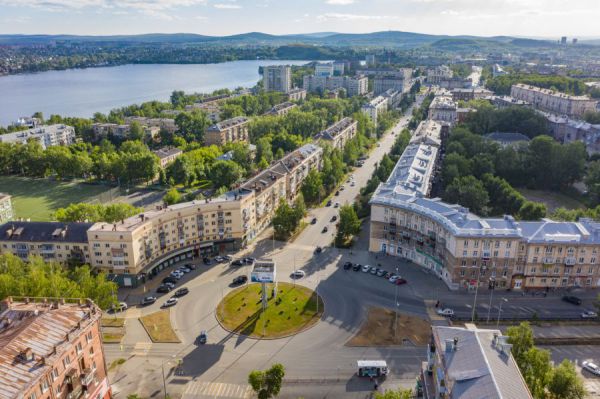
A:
x,y
530,18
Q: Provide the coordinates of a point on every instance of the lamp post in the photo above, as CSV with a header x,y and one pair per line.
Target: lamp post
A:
x,y
500,311
475,299
492,288
163,374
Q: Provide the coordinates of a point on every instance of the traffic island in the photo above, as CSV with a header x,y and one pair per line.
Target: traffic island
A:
x,y
294,309
378,329
158,326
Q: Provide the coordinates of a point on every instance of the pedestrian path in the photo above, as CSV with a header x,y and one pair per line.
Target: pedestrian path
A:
x,y
142,348
206,389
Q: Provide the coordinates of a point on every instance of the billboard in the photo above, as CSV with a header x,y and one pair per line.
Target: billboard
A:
x,y
263,271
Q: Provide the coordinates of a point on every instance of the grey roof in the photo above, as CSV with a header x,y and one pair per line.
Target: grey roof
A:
x,y
166,152
44,232
507,137
332,131
226,124
477,368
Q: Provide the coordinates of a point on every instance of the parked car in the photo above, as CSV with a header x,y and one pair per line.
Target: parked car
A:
x,y
170,302
337,192
366,268
313,221
352,184
589,314
337,205
328,203
400,281
387,275
380,272
572,299
357,267
249,260
324,230
119,307
333,218
203,337
239,280
149,300
373,270
181,292
219,259
171,280
227,258
184,269
347,265
163,289
318,250
392,279
206,260
446,312
169,284
298,274
237,262
191,266
341,188
591,367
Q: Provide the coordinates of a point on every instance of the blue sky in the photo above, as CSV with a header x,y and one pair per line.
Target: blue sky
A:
x,y
548,18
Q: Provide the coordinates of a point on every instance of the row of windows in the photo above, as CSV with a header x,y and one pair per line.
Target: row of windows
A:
x,y
45,246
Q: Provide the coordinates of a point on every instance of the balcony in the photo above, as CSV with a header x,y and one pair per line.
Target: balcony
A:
x,y
548,260
87,378
570,261
485,255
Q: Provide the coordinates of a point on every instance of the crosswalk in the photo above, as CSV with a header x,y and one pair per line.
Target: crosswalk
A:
x,y
142,348
205,390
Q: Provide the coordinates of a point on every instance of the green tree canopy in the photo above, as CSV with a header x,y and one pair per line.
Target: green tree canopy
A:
x,y
267,384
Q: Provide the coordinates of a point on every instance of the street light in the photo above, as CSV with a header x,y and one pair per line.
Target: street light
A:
x,y
492,287
475,299
163,374
500,311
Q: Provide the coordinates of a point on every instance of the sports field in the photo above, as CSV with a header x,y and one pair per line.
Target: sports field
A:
x,y
37,199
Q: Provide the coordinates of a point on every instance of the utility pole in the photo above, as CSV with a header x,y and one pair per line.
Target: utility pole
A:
x,y
500,311
492,288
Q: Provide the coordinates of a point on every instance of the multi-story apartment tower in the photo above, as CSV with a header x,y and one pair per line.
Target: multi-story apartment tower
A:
x,y
47,135
339,133
277,78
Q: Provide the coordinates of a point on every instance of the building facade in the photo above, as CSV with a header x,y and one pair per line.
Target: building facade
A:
x,y
339,133
375,107
167,155
228,131
553,101
296,94
354,85
324,69
443,109
281,109
6,209
439,73
167,124
399,81
470,94
51,349
46,135
277,78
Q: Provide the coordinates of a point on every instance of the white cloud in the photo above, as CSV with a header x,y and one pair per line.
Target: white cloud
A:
x,y
351,17
339,2
227,6
142,5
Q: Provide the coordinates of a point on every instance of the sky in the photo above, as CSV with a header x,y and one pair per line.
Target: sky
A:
x,y
530,18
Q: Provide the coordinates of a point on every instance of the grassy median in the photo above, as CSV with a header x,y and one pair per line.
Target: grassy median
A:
x,y
158,326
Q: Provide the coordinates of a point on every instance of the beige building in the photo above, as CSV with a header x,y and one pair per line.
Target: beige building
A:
x,y
167,124
375,107
339,133
281,109
553,101
228,131
167,155
6,209
53,241
296,94
51,348
439,73
443,109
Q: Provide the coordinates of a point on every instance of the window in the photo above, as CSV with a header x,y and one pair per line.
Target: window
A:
x,y
78,348
591,270
474,263
508,244
532,270
66,361
32,396
462,273
507,254
465,253
578,270
88,336
593,260
54,374
474,253
495,254
44,385
58,390
543,281
466,244
580,260
537,250
497,244
476,244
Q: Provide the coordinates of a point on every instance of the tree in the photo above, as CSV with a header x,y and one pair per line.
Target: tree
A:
x,y
225,173
565,383
395,394
172,197
312,187
537,371
532,211
136,131
267,384
96,212
348,226
285,221
469,192
592,180
521,338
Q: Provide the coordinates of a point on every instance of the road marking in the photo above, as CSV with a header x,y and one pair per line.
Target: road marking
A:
x,y
142,348
205,389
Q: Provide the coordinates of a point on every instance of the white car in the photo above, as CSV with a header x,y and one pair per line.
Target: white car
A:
x,y
591,367
170,302
445,312
393,279
366,268
589,314
120,307
298,274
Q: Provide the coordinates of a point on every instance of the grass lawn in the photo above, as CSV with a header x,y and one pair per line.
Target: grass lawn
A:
x,y
293,310
112,337
378,329
158,326
552,199
112,322
37,199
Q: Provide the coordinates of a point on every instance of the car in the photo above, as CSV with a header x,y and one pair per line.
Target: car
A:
x,y
318,250
337,205
171,280
333,218
347,265
181,292
392,279
237,262
373,270
191,266
352,184
298,274
342,188
357,267
170,302
572,299
203,337
239,280
228,258
149,300
589,314
313,221
446,312
387,275
324,230
380,272
119,307
400,281
337,192
219,259
366,268
176,274
249,260
163,289
591,367
184,269
206,260
328,203
169,284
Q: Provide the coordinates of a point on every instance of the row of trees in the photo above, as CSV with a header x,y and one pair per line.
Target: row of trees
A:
x,y
488,119
501,84
287,218
84,212
37,278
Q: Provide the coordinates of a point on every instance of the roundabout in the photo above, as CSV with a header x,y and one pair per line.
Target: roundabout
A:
x,y
293,309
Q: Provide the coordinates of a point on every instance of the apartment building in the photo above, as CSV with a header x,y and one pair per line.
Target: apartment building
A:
x,y
443,109
469,362
104,130
375,107
46,135
28,122
400,82
296,166
470,94
296,94
51,348
228,131
567,130
339,133
507,101
277,78
53,241
167,155
439,73
393,97
324,69
354,85
167,124
6,209
553,101
281,109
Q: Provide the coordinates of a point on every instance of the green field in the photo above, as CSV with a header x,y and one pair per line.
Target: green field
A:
x,y
37,199
552,199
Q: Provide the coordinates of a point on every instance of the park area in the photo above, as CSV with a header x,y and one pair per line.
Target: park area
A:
x,y
294,309
552,199
38,199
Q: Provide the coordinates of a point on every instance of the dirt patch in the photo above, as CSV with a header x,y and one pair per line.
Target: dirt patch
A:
x,y
158,326
378,329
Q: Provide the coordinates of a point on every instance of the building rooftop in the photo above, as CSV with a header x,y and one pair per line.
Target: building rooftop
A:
x,y
44,232
33,334
35,131
478,364
506,138
552,92
428,132
280,107
167,152
265,179
226,124
3,196
334,130
442,102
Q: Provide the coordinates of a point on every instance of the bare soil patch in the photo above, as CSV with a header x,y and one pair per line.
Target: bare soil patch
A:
x,y
378,329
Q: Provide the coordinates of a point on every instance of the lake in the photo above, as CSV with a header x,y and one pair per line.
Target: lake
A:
x,y
81,92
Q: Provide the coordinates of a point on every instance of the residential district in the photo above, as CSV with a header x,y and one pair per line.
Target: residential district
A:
x,y
456,283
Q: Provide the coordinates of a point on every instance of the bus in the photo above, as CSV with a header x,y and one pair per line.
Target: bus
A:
x,y
372,368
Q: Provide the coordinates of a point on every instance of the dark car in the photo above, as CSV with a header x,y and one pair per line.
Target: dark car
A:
x,y
239,280
347,265
191,266
324,230
206,260
203,337
328,203
163,289
400,281
337,192
572,299
237,262
171,280
318,250
313,221
249,260
333,218
149,300
356,267
182,291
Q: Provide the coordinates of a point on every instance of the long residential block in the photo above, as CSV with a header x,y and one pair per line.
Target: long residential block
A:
x,y
553,101
228,131
46,135
339,133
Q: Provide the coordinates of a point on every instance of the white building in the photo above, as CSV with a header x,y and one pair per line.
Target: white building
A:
x,y
439,73
375,107
47,135
277,78
6,210
443,109
553,101
354,85
324,69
